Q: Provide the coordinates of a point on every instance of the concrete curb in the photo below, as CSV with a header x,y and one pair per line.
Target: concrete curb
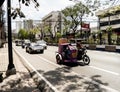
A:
x,y
42,84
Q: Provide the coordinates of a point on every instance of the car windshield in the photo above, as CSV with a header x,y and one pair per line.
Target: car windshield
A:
x,y
27,41
34,44
41,42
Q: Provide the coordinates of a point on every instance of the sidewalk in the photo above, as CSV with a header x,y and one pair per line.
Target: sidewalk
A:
x,y
19,82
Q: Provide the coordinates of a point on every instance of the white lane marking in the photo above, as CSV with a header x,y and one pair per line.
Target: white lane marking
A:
x,y
114,73
37,72
86,78
94,82
48,61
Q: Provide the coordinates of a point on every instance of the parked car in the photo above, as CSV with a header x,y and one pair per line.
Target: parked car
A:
x,y
34,48
42,43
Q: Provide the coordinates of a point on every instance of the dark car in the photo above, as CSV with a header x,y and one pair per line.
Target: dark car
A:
x,y
18,42
34,48
26,43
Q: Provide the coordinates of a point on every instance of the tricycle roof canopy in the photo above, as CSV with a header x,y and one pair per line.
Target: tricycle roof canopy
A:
x,y
63,40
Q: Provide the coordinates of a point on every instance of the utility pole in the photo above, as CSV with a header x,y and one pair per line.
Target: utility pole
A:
x,y
1,2
11,68
1,77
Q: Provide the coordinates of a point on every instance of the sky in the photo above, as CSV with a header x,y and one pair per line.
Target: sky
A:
x,y
46,6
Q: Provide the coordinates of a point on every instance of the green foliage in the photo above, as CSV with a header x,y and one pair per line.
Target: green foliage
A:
x,y
110,11
109,29
73,16
27,2
17,11
34,31
22,34
58,35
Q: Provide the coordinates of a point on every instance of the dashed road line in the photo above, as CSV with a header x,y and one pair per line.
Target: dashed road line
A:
x,y
86,78
114,73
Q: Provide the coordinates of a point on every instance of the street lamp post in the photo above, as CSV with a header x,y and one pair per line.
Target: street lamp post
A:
x,y
11,67
1,2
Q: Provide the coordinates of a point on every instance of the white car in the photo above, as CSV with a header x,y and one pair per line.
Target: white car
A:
x,y
34,48
42,43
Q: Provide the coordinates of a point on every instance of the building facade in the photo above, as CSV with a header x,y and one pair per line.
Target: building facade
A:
x,y
110,18
19,25
28,24
53,21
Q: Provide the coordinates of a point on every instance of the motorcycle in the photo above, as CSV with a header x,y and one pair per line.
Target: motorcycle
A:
x,y
83,56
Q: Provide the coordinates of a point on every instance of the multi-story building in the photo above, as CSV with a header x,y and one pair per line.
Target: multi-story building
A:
x,y
109,18
19,25
53,21
2,29
28,24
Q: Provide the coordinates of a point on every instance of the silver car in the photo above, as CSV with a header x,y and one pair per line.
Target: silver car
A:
x,y
34,48
42,43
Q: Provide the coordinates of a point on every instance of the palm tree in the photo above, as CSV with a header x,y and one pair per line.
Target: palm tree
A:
x,y
109,31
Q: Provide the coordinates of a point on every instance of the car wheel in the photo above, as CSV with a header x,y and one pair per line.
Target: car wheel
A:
x,y
42,51
30,51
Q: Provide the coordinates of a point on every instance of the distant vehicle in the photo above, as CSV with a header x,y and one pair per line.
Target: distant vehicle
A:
x,y
18,42
25,43
34,48
42,43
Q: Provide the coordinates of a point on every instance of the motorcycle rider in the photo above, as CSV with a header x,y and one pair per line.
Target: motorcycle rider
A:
x,y
79,45
80,48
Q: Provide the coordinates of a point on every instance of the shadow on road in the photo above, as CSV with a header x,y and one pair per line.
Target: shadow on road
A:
x,y
74,64
65,81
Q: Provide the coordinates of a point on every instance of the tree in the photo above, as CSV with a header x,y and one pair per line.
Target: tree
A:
x,y
48,31
73,16
100,33
17,11
32,33
22,34
109,31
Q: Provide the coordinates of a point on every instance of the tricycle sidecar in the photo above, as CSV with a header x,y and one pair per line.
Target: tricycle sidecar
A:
x,y
66,53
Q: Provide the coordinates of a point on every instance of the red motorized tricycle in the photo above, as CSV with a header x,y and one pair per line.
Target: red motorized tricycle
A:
x,y
70,53
66,53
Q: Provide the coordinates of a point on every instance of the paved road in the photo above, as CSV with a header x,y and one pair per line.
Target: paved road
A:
x,y
104,69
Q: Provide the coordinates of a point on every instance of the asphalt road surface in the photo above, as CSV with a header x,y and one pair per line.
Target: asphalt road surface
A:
x,y
104,70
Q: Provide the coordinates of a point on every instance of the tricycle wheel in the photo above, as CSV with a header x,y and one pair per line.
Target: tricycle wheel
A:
x,y
58,59
86,60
